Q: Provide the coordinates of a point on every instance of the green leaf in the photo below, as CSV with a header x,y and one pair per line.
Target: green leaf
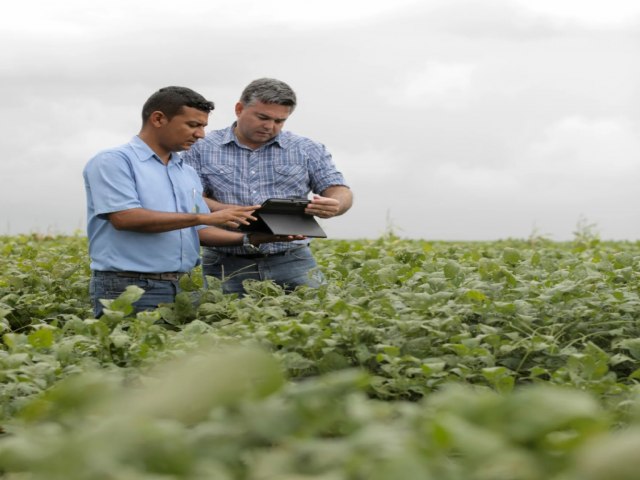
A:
x,y
511,256
475,295
124,303
500,378
632,345
41,338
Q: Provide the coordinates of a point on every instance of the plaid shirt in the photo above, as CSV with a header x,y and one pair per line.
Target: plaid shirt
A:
x,y
287,166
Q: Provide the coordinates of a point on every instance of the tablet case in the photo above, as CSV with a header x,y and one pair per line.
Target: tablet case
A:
x,y
285,216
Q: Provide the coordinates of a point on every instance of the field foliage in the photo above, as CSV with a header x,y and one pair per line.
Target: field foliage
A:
x,y
514,359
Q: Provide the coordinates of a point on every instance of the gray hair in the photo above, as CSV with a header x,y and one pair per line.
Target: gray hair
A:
x,y
269,90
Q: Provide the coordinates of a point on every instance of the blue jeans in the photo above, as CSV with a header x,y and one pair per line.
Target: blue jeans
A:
x,y
289,269
107,285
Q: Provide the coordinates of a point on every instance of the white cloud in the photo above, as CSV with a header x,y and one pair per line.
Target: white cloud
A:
x,y
439,84
590,13
295,13
75,18
575,145
367,165
460,119
477,179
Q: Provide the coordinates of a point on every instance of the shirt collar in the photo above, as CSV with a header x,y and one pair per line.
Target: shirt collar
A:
x,y
229,137
144,152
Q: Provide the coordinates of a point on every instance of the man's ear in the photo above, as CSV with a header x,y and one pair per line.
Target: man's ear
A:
x,y
239,108
157,118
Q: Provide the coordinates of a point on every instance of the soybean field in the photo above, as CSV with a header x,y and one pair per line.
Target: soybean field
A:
x,y
514,359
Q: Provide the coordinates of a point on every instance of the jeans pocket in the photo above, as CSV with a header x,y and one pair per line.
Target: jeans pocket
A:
x,y
110,287
300,253
211,258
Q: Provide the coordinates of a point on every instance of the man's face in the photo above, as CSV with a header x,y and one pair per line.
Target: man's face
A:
x,y
184,129
259,122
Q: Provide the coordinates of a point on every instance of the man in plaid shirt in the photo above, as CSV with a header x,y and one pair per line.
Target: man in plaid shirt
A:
x,y
253,160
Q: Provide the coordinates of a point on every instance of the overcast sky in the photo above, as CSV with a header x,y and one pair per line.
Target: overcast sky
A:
x,y
451,119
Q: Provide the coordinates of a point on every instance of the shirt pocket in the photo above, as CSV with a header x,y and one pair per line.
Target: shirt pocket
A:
x,y
291,178
216,178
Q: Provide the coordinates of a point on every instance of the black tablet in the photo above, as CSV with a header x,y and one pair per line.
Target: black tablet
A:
x,y
285,216
284,205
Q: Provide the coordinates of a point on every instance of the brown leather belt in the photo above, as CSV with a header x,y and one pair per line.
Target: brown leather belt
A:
x,y
259,255
174,276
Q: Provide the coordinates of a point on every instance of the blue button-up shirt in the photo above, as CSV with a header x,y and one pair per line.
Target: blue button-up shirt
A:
x,y
133,176
289,165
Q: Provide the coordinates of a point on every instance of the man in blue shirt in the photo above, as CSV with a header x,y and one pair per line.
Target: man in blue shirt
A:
x,y
253,160
145,211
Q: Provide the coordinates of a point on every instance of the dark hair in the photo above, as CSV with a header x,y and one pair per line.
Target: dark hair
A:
x,y
169,100
269,90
